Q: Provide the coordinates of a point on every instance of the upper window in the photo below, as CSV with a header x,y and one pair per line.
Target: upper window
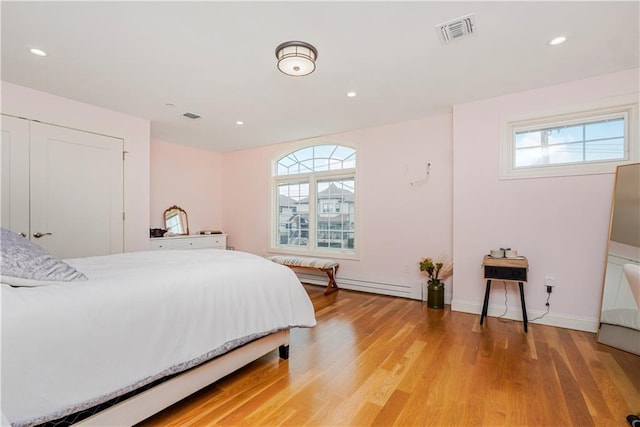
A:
x,y
570,144
317,158
314,193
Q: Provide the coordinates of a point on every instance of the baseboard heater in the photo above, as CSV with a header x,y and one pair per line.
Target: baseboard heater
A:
x,y
404,290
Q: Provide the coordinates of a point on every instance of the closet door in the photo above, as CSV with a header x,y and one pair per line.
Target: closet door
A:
x,y
76,186
14,161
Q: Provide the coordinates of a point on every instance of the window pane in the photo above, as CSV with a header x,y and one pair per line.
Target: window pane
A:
x,y
293,214
317,159
344,153
304,154
321,164
335,220
528,157
562,135
323,151
306,166
605,129
528,139
566,153
605,150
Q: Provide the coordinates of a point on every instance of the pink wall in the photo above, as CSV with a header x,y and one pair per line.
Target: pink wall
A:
x,y
397,223
32,104
464,209
560,224
187,177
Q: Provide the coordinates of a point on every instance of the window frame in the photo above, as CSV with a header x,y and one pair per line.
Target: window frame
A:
x,y
619,108
312,178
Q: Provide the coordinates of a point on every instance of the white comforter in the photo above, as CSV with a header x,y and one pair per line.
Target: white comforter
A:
x,y
140,315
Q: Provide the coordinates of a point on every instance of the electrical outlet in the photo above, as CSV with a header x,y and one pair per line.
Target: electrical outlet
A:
x,y
549,281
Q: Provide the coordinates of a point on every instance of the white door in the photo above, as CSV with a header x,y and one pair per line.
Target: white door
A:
x,y
14,158
76,188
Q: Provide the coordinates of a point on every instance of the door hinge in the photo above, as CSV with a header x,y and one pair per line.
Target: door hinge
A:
x,y
123,216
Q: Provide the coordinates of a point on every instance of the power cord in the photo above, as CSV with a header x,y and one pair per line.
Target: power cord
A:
x,y
506,305
549,288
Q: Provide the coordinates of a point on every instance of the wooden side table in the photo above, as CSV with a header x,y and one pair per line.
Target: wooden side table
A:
x,y
513,269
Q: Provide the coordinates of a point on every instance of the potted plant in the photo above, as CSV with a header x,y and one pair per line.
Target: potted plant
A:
x,y
437,272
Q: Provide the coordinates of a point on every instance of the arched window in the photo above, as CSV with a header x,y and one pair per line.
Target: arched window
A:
x,y
315,203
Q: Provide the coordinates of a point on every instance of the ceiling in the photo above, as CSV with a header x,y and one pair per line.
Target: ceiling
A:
x,y
217,60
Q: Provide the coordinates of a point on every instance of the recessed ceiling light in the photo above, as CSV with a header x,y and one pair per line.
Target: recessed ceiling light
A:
x,y
239,122
170,105
38,52
558,40
351,94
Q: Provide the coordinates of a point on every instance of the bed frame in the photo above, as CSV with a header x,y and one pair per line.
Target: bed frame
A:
x,y
165,394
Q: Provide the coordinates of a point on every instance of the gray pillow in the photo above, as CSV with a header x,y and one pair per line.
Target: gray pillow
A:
x,y
26,264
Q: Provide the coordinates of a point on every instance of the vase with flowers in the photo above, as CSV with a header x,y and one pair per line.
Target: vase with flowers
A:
x,y
437,271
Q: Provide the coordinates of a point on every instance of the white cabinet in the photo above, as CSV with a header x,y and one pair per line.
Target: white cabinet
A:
x,y
198,241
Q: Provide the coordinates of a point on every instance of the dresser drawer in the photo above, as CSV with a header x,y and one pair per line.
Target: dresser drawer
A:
x,y
505,273
215,241
160,244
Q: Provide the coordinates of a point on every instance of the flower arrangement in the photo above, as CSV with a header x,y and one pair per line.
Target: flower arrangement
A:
x,y
437,271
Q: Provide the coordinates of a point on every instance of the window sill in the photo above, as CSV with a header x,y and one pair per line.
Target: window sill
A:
x,y
548,171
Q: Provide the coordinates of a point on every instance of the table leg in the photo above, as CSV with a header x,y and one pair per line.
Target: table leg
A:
x,y
524,307
485,306
332,286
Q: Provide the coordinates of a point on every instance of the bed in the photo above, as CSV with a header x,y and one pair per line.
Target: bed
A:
x,y
175,320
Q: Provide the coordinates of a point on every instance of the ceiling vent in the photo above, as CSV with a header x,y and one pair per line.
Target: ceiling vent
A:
x,y
191,116
456,29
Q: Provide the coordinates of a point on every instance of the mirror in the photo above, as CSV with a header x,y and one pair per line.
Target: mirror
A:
x,y
175,221
620,315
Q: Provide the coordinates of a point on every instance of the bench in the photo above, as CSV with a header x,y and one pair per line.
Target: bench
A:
x,y
329,266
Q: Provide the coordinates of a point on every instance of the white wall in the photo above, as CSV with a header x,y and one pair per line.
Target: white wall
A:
x,y
560,224
32,104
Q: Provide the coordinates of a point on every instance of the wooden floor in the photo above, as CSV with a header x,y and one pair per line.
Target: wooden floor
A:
x,y
383,361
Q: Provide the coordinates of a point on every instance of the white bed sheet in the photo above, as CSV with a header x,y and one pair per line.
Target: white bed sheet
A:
x,y
70,345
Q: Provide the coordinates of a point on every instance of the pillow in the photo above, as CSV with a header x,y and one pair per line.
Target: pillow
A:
x,y
24,263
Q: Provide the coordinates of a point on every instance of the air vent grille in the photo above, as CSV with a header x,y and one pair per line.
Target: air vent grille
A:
x,y
191,116
457,28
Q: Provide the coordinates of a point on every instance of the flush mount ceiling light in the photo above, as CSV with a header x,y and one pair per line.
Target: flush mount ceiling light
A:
x,y
296,58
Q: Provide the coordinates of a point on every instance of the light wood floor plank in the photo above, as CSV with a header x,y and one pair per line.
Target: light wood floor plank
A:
x,y
376,360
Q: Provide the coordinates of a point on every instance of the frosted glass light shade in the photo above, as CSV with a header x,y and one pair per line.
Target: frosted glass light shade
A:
x,y
296,58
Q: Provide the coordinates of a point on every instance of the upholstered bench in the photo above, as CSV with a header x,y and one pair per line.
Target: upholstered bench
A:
x,y
329,266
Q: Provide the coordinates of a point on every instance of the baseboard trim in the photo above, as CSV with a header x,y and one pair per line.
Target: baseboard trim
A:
x,y
415,292
383,288
578,323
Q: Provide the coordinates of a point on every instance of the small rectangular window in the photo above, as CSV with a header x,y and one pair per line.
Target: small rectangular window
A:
x,y
590,141
594,141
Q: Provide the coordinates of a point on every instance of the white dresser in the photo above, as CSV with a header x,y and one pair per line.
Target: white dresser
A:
x,y
196,241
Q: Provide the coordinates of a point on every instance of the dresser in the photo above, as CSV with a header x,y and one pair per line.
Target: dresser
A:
x,y
196,241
